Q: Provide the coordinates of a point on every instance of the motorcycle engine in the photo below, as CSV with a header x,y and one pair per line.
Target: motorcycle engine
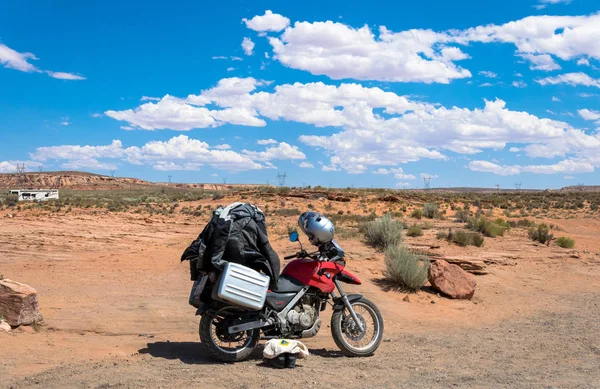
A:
x,y
302,317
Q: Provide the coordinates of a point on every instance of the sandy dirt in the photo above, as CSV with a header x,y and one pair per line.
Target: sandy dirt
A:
x,y
114,299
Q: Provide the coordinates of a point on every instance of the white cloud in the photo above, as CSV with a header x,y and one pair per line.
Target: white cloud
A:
x,y
11,166
583,62
149,98
88,163
230,69
541,62
519,84
248,46
12,59
403,184
168,166
514,149
268,22
340,51
96,115
65,76
587,95
572,79
282,151
588,114
222,147
306,165
488,74
555,99
326,168
569,177
565,166
485,85
127,128
402,176
266,142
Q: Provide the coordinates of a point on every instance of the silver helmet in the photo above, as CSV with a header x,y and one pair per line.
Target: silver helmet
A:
x,y
317,227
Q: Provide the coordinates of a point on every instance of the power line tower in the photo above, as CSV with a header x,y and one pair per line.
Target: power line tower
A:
x,y
112,173
20,168
427,182
497,187
281,178
170,178
225,181
40,168
517,185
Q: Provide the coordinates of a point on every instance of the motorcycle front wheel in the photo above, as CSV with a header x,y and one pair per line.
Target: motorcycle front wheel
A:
x,y
219,343
348,336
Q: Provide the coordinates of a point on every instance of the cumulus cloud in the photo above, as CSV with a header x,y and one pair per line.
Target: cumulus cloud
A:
x,y
13,59
340,51
566,166
573,79
519,84
270,22
306,165
488,74
248,46
588,114
266,142
178,153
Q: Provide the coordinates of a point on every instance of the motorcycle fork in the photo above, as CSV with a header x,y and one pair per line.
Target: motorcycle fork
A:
x,y
347,304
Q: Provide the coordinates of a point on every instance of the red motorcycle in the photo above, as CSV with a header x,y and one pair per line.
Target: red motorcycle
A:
x,y
304,289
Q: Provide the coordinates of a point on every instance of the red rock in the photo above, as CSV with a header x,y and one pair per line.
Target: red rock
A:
x,y
18,303
451,280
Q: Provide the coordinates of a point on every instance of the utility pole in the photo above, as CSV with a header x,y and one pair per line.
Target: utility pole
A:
x,y
170,178
427,182
281,178
224,180
497,187
518,186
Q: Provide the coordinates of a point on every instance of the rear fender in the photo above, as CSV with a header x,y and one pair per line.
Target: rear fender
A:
x,y
338,303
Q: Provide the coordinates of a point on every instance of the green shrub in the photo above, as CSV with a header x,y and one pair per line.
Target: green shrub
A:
x,y
406,269
417,214
486,227
431,211
414,231
461,238
441,235
522,223
477,239
541,234
565,243
462,216
383,232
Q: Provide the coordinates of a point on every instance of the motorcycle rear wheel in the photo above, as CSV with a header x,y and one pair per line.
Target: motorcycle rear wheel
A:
x,y
349,338
214,336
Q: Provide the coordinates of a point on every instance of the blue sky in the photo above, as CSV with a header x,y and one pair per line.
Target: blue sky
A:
x,y
332,93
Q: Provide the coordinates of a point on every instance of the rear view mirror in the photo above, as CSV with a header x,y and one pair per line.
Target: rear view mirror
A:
x,y
293,236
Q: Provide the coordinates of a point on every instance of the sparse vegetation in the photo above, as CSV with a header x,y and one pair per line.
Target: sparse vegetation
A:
x,y
414,231
406,269
417,214
383,232
431,211
487,227
541,234
287,212
565,243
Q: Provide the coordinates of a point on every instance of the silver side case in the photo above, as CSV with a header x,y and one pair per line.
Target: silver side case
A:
x,y
241,286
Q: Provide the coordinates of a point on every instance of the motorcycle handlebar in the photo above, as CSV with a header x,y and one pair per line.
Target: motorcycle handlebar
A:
x,y
290,256
302,254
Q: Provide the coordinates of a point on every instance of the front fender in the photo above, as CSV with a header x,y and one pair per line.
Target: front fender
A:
x,y
338,303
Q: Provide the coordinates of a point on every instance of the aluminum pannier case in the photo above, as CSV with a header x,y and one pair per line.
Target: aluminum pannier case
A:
x,y
241,286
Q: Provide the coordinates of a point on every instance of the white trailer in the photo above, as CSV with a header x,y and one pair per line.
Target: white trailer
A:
x,y
35,194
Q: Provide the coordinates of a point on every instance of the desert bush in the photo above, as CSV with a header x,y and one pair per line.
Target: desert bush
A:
x,y
486,227
461,238
522,223
431,211
414,231
417,214
426,226
541,234
461,216
477,239
565,243
441,235
406,269
383,232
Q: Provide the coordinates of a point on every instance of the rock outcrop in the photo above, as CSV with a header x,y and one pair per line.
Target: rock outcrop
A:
x,y
451,280
18,303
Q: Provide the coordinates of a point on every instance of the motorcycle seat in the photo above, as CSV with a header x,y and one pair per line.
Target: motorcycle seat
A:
x,y
287,284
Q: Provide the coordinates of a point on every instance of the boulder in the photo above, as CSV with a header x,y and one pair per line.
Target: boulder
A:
x,y
451,280
4,326
18,303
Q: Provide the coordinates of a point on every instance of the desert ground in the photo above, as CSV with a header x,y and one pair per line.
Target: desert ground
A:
x,y
114,295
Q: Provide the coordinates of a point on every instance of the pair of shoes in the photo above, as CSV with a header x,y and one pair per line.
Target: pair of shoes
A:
x,y
282,361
